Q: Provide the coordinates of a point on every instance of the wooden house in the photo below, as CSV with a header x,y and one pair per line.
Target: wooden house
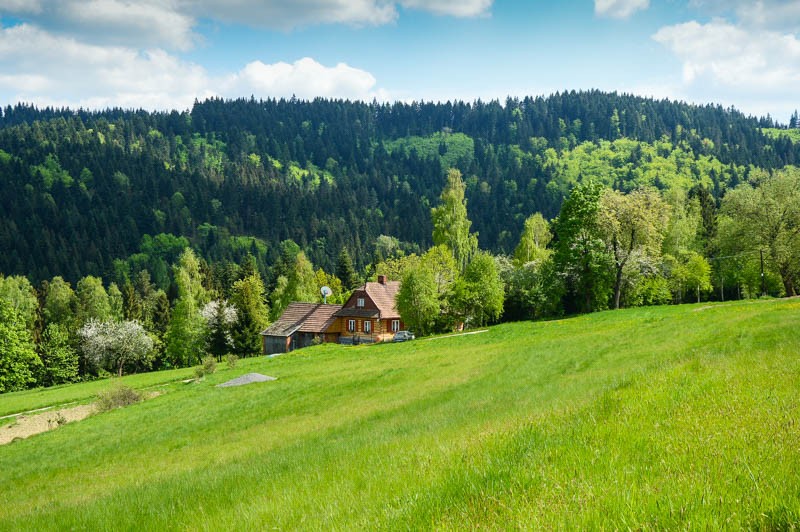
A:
x,y
370,315
301,325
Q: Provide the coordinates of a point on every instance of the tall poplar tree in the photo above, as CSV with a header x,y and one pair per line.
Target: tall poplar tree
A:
x,y
533,241
450,222
186,333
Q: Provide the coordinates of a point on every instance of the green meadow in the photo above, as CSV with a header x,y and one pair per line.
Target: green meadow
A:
x,y
666,417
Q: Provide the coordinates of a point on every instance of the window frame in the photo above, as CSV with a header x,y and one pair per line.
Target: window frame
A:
x,y
351,325
395,326
367,325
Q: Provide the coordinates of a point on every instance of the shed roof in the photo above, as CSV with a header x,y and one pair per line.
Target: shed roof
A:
x,y
303,317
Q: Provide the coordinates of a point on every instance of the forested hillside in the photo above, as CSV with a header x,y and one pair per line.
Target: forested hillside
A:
x,y
81,189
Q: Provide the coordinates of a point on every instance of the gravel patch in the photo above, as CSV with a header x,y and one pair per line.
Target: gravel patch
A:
x,y
28,425
247,378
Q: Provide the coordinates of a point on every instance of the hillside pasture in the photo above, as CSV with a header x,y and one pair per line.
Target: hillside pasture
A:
x,y
663,417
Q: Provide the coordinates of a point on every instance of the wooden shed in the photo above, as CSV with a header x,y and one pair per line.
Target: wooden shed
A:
x,y
300,325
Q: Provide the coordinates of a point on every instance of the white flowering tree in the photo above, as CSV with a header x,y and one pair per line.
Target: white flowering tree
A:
x,y
220,317
113,344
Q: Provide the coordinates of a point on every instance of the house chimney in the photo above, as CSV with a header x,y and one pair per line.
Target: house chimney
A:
x,y
381,279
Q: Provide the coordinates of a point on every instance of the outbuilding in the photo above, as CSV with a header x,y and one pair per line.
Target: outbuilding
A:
x,y
300,325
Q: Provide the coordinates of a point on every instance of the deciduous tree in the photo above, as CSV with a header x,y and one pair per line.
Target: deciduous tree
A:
x,y
113,344
18,361
580,254
417,300
767,217
451,226
478,295
631,225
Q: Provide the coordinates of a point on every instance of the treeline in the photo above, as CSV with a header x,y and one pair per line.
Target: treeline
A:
x,y
80,190
605,249
54,333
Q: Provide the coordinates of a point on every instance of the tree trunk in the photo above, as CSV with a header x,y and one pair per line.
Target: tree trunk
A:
x,y
788,283
617,287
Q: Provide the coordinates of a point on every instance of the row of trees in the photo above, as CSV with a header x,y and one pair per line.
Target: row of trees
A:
x,y
56,334
605,249
608,249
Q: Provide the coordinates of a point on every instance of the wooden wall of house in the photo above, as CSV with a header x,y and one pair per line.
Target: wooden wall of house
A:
x,y
381,330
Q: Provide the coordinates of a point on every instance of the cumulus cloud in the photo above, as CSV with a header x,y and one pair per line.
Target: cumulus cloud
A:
x,y
49,69
147,23
20,6
127,22
305,79
288,14
462,8
293,13
754,69
732,55
171,23
55,70
619,8
776,15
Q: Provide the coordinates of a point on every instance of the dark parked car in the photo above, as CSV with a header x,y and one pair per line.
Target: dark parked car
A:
x,y
402,336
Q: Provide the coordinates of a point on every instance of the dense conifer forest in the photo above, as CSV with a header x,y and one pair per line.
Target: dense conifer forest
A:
x,y
82,191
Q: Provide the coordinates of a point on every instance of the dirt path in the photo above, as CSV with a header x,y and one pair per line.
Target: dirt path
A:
x,y
28,425
457,334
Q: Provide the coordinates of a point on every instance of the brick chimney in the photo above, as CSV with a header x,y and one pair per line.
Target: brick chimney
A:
x,y
381,279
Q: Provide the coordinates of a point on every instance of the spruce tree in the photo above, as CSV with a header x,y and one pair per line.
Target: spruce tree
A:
x,y
345,271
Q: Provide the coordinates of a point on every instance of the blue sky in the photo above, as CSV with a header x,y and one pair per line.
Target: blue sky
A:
x,y
164,54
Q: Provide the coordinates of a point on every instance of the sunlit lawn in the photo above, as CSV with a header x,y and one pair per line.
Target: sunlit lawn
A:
x,y
669,417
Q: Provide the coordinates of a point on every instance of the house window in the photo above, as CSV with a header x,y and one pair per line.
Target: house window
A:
x,y
360,302
367,326
395,325
351,325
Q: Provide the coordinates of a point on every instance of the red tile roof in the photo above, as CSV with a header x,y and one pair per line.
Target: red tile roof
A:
x,y
303,317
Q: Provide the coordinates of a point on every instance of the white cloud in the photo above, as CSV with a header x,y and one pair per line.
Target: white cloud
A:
x,y
171,23
118,22
305,79
288,14
754,69
772,15
619,8
777,15
455,8
144,24
49,69
733,56
20,6
293,13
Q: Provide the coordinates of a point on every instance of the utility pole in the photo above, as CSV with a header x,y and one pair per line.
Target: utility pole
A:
x,y
763,286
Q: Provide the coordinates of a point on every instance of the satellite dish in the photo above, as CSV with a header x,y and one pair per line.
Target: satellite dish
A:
x,y
325,291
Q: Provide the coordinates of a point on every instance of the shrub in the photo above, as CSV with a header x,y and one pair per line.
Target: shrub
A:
x,y
231,360
117,397
208,367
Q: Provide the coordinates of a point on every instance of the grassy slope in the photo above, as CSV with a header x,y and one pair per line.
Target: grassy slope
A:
x,y
663,417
